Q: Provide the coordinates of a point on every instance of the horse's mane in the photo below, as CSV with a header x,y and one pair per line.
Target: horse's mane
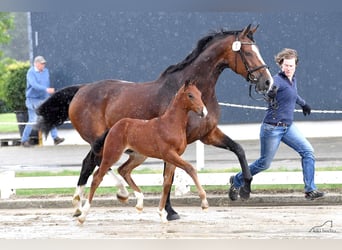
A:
x,y
202,44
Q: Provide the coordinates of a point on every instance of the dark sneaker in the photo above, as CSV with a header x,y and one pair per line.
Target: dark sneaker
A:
x,y
233,191
26,144
313,195
58,140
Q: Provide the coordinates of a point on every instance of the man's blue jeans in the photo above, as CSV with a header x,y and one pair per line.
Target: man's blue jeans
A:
x,y
32,104
270,138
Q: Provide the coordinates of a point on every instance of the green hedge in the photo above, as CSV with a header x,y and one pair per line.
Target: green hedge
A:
x,y
14,82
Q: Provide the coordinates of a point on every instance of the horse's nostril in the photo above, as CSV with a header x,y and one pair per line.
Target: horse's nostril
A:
x,y
267,83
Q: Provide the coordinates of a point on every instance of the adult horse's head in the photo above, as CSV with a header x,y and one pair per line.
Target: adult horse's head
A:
x,y
247,61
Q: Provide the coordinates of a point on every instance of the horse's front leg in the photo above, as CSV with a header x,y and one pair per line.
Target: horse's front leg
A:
x,y
218,139
88,165
168,175
176,160
171,213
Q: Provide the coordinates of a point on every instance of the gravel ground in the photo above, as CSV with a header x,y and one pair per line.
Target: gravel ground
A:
x,y
281,222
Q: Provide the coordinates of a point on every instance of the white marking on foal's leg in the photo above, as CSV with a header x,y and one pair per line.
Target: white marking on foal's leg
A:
x,y
163,215
77,200
123,192
140,201
205,205
85,210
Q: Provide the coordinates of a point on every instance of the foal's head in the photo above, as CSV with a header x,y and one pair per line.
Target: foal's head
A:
x,y
192,98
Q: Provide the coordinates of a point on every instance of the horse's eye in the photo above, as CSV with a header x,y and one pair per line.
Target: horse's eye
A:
x,y
248,54
190,96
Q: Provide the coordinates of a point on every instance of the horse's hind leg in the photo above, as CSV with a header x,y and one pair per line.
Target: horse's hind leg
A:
x,y
88,165
122,194
218,139
97,179
134,160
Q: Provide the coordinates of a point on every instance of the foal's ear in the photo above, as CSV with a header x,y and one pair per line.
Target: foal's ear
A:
x,y
187,83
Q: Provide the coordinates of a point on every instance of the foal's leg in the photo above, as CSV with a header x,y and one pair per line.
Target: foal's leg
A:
x,y
109,158
88,165
218,139
174,159
168,175
134,160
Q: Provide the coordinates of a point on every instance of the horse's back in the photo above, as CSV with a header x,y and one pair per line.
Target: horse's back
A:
x,y
99,105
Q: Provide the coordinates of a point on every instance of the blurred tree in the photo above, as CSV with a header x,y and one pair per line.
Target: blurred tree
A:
x,y
6,24
16,45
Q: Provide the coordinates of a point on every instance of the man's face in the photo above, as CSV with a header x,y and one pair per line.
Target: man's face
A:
x,y
40,66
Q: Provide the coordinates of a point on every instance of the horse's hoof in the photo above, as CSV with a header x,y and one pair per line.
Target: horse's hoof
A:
x,y
139,209
172,216
244,193
81,220
205,205
122,199
77,213
163,215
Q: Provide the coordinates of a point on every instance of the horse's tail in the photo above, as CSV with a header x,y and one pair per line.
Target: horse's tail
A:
x,y
99,142
54,111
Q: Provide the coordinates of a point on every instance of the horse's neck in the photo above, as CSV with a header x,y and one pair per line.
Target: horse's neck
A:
x,y
206,69
176,114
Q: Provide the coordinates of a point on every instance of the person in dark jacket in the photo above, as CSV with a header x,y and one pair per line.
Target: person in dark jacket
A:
x,y
278,126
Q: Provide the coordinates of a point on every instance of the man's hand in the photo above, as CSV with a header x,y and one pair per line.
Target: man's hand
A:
x,y
306,109
50,90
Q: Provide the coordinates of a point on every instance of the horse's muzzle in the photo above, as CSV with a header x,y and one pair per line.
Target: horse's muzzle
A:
x,y
204,112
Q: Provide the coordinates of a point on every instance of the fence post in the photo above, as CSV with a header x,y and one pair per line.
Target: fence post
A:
x,y
6,182
199,155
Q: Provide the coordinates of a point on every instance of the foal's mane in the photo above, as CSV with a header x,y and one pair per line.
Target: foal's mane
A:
x,y
202,44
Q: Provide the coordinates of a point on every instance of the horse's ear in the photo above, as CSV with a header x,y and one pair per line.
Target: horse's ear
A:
x,y
246,30
254,29
187,83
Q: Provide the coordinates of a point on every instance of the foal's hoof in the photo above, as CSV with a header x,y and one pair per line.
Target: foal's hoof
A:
x,y
244,193
122,199
139,209
80,219
205,205
77,212
163,215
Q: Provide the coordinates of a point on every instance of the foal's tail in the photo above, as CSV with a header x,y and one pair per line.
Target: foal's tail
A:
x,y
54,111
99,142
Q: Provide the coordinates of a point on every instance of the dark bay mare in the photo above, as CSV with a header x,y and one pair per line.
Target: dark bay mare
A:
x,y
162,137
95,107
